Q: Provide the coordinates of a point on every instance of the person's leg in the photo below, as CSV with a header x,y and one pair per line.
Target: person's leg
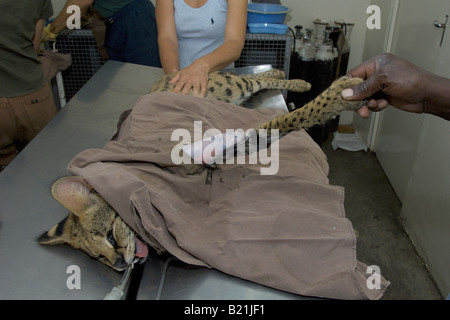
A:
x,y
33,111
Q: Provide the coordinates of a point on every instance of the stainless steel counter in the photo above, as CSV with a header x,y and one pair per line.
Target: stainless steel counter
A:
x,y
27,209
263,99
168,279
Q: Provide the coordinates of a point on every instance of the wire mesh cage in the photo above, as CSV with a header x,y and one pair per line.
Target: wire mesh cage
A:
x,y
267,49
258,49
86,59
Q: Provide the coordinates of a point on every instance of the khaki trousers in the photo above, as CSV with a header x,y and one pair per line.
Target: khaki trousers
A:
x,y
21,119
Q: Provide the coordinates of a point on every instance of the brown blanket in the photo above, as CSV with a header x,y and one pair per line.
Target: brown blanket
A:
x,y
286,231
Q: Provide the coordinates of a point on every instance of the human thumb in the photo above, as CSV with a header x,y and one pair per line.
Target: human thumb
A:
x,y
175,78
361,91
347,93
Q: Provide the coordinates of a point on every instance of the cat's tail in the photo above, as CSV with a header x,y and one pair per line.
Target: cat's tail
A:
x,y
295,85
276,79
318,111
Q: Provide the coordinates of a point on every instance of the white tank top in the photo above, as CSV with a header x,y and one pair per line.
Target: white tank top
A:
x,y
199,30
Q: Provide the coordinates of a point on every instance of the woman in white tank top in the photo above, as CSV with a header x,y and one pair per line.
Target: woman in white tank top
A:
x,y
196,37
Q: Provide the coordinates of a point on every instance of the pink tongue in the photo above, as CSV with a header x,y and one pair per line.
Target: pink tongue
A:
x,y
141,249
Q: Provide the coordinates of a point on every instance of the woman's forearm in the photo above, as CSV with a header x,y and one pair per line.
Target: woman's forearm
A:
x,y
168,52
234,38
223,56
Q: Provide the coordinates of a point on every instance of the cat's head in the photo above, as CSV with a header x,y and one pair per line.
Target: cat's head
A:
x,y
93,226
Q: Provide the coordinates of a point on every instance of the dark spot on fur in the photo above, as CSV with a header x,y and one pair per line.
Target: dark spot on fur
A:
x,y
247,86
228,79
228,92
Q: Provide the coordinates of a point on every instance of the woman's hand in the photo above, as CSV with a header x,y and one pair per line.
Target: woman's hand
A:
x,y
193,77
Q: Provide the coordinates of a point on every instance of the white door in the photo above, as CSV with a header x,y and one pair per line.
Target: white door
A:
x,y
414,150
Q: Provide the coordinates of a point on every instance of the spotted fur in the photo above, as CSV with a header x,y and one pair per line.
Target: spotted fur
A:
x,y
228,87
320,110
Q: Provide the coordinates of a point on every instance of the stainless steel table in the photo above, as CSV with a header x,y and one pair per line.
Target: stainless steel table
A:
x,y
27,209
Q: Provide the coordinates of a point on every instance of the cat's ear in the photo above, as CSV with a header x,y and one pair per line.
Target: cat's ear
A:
x,y
74,193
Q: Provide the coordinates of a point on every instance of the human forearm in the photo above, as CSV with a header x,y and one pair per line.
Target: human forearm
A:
x,y
234,38
223,56
437,98
195,76
167,36
390,80
38,34
168,52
